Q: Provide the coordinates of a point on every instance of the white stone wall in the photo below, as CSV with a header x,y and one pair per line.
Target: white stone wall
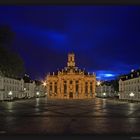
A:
x,y
1,96
41,89
104,89
29,89
19,89
13,85
129,86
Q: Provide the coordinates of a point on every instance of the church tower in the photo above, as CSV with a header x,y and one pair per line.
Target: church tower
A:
x,y
70,82
71,60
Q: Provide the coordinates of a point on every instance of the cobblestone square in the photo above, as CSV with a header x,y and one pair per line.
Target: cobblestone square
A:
x,y
89,116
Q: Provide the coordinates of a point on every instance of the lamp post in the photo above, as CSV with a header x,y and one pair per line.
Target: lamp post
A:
x,y
98,83
37,93
119,95
25,92
104,94
44,84
131,95
10,94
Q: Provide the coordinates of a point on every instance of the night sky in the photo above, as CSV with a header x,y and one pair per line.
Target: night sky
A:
x,y
105,39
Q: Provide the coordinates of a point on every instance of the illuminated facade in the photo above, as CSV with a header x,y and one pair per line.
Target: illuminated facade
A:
x,y
71,82
105,89
11,88
129,86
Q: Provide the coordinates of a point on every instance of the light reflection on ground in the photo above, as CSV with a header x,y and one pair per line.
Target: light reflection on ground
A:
x,y
90,116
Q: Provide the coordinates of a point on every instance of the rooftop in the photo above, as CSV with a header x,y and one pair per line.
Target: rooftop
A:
x,y
133,74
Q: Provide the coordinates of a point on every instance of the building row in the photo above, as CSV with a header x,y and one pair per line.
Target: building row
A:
x,y
21,88
71,83
129,86
105,89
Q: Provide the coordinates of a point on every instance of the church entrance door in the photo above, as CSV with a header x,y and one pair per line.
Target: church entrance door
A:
x,y
71,95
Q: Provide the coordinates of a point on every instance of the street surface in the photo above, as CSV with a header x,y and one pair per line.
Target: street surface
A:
x,y
90,116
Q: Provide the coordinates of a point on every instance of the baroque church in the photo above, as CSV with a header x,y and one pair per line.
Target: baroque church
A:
x,y
71,82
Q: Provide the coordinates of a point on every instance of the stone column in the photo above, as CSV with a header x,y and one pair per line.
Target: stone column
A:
x,y
58,88
74,87
62,89
74,92
68,89
48,89
80,88
93,88
53,88
88,88
83,89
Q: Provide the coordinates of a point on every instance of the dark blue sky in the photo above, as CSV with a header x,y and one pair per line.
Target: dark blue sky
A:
x,y
105,39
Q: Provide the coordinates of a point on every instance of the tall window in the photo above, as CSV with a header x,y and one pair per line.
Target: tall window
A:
x,y
91,88
77,86
50,88
70,82
55,88
86,88
65,88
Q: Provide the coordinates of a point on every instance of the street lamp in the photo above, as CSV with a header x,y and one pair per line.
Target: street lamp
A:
x,y
98,83
10,93
104,94
131,94
44,84
25,93
37,93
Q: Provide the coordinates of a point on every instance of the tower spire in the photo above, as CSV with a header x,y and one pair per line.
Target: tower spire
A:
x,y
71,60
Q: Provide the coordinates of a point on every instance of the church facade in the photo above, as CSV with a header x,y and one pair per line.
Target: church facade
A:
x,y
71,82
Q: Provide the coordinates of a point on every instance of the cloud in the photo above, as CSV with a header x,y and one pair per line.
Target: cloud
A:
x,y
105,75
105,39
42,36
